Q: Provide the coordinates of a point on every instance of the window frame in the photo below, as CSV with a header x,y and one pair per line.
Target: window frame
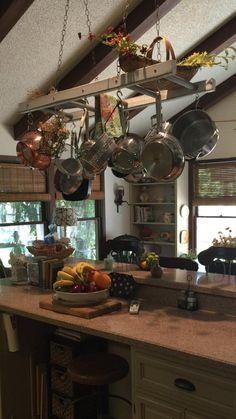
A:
x,y
195,202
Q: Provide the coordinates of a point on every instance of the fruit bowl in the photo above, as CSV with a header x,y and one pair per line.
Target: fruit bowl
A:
x,y
81,298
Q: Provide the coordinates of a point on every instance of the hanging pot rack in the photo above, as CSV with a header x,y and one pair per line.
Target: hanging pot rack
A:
x,y
76,97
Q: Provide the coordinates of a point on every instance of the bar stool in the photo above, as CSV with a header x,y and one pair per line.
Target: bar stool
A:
x,y
98,370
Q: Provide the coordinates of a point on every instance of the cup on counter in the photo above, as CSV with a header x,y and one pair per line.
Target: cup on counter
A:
x,y
108,264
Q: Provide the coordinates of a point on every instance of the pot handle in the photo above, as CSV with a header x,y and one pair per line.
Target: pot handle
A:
x,y
168,47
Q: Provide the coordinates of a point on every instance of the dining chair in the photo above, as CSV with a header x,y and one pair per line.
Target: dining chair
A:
x,y
219,259
125,248
178,263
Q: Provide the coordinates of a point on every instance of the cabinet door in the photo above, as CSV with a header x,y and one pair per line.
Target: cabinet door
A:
x,y
155,409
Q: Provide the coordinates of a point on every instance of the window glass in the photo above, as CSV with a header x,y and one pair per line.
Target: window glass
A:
x,y
16,237
211,221
84,235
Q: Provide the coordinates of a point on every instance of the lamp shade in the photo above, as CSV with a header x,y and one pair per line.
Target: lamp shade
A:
x,y
65,217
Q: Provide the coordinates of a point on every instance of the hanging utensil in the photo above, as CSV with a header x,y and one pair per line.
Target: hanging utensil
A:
x,y
162,156
196,133
126,157
81,193
33,151
94,156
72,166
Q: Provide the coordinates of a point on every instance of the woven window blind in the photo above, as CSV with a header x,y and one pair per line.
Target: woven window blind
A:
x,y
214,183
21,183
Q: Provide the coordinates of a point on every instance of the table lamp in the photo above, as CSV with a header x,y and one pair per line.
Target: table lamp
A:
x,y
65,217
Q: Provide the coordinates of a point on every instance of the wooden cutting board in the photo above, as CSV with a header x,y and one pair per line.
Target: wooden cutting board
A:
x,y
88,312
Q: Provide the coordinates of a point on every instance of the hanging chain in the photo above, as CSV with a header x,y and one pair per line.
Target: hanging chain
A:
x,y
90,33
62,42
125,14
158,31
88,21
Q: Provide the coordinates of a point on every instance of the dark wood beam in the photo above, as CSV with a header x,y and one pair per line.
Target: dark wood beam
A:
x,y
10,12
138,22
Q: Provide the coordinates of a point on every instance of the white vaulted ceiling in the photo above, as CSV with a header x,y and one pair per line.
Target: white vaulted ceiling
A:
x,y
29,51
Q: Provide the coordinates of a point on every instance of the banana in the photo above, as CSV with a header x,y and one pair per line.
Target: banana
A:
x,y
82,265
62,283
70,271
64,275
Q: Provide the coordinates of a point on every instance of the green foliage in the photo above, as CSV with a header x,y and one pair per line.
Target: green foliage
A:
x,y
203,59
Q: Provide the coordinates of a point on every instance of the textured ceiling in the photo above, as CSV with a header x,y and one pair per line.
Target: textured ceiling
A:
x,y
29,52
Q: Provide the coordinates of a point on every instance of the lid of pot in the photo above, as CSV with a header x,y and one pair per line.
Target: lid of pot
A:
x,y
157,159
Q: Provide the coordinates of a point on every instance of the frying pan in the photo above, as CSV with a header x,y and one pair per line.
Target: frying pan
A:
x,y
81,193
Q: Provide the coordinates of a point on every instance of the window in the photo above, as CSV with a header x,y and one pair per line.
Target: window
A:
x,y
84,235
20,224
213,196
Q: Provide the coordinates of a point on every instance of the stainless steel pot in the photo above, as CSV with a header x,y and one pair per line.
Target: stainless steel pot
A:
x,y
196,133
162,156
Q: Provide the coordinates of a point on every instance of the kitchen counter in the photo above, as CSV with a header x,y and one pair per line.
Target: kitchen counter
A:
x,y
209,335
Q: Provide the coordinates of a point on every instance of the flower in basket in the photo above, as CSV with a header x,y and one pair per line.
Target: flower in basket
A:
x,y
122,42
131,54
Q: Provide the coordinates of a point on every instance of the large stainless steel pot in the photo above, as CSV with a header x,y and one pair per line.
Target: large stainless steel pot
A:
x,y
196,132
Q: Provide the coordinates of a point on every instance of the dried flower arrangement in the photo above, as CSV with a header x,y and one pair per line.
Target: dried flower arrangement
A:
x,y
225,239
55,133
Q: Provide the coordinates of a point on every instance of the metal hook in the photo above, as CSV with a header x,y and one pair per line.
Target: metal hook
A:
x,y
119,94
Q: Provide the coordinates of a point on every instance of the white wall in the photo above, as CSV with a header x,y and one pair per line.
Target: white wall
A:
x,y
8,145
224,115
117,223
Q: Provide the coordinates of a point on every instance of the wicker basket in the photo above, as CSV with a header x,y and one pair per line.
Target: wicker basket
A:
x,y
51,250
133,62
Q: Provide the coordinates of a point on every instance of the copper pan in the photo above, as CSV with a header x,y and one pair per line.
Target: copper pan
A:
x,y
33,150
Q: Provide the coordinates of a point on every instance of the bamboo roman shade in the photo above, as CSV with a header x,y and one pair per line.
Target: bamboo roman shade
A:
x,y
22,183
214,183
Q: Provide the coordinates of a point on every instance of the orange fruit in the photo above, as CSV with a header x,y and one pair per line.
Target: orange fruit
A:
x,y
101,279
144,264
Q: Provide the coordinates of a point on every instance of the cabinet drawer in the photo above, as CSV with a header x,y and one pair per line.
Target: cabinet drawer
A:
x,y
147,408
160,376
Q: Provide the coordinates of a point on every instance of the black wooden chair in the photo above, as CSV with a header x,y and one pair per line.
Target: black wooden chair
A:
x,y
178,263
217,259
125,248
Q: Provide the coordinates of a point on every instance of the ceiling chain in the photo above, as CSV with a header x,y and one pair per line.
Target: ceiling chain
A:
x,y
125,14
90,33
62,42
158,30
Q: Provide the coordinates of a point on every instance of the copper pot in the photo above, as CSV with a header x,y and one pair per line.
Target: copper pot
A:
x,y
33,151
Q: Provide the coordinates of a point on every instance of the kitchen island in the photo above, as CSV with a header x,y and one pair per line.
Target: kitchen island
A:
x,y
202,341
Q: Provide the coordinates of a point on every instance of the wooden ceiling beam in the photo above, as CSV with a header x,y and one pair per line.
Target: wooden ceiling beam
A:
x,y
10,12
138,22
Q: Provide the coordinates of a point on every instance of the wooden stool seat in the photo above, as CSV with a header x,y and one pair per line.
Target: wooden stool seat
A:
x,y
97,369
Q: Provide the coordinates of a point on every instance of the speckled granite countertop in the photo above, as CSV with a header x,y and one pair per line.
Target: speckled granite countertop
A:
x,y
207,335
